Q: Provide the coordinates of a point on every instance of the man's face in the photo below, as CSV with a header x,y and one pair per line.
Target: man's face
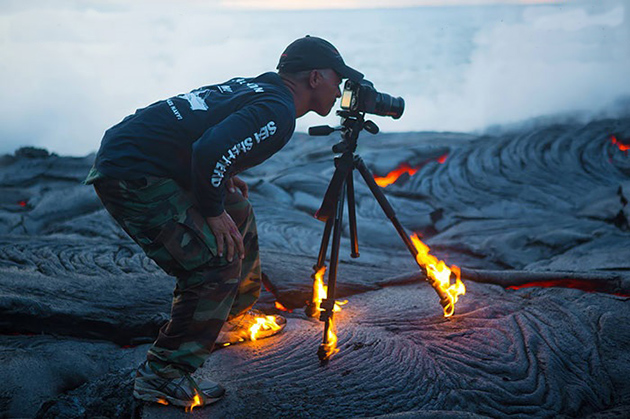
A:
x,y
326,90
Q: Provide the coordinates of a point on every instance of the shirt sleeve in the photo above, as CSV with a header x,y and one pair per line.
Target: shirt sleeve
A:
x,y
245,135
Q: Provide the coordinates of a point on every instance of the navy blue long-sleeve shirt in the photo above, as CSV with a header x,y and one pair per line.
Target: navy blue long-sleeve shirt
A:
x,y
203,137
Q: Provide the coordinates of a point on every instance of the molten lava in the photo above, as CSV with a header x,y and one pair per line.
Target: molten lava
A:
x,y
578,284
395,174
439,276
263,323
619,144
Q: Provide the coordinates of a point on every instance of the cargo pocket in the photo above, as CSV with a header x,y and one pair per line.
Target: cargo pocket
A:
x,y
189,240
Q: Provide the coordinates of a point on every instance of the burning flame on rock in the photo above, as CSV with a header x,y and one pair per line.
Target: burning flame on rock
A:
x,y
440,275
619,144
320,292
330,347
197,401
282,308
263,323
162,401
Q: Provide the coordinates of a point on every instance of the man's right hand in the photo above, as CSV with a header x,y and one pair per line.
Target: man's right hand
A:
x,y
227,235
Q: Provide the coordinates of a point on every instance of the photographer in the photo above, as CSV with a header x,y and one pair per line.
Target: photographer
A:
x,y
167,175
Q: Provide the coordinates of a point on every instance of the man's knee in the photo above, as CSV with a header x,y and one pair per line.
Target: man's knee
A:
x,y
239,208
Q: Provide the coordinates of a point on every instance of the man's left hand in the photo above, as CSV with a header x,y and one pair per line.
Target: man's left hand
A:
x,y
236,182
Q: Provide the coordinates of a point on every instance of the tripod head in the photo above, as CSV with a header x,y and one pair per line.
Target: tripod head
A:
x,y
352,123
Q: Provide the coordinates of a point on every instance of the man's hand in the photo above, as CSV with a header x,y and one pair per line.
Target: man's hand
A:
x,y
235,182
227,235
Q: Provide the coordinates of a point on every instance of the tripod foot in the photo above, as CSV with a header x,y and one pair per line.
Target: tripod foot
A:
x,y
323,354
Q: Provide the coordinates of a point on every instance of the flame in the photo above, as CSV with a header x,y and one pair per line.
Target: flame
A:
x,y
263,323
282,308
330,347
320,292
442,158
439,275
622,146
197,401
319,289
162,401
395,174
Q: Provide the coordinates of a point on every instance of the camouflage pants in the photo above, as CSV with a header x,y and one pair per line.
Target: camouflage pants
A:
x,y
162,218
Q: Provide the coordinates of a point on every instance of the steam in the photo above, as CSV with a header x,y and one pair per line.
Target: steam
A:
x,y
72,72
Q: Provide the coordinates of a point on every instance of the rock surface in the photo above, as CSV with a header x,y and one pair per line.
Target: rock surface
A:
x,y
522,353
548,201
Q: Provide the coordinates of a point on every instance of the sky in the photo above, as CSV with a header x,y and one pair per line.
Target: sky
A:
x,y
72,69
366,4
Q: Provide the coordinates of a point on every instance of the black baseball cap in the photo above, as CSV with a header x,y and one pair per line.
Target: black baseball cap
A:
x,y
310,53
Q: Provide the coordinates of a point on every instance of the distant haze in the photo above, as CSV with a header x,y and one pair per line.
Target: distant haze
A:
x,y
68,73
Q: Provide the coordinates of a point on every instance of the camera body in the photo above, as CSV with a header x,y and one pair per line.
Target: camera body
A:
x,y
363,97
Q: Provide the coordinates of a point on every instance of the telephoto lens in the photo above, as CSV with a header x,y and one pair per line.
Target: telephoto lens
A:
x,y
387,105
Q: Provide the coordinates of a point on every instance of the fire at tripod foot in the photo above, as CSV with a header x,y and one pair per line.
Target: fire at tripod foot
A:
x,y
323,354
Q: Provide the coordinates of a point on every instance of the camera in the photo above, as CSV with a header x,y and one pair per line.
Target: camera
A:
x,y
363,97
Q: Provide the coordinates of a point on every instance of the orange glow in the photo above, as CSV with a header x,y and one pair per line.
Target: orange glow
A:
x,y
263,323
319,289
439,275
282,308
578,284
330,346
620,145
163,401
320,292
197,401
395,174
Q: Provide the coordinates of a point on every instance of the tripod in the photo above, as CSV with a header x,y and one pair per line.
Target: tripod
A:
x,y
331,212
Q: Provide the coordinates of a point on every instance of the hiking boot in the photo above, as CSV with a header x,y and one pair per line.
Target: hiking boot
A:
x,y
181,391
252,325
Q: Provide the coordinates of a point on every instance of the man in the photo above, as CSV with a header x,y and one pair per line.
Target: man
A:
x,y
167,174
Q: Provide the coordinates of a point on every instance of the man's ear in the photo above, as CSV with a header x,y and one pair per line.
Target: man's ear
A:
x,y
314,78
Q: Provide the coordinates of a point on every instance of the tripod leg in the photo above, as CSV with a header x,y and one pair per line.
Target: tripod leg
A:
x,y
352,217
389,211
311,308
328,347
321,259
384,203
